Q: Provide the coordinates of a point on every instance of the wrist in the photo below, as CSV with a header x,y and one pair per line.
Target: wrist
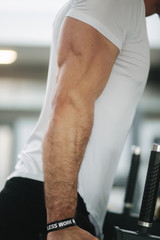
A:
x,y
61,233
60,212
53,217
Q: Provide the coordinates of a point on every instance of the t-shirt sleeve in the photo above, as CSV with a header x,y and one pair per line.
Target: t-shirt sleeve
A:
x,y
103,15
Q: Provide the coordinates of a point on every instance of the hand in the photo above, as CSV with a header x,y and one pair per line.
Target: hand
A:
x,y
71,233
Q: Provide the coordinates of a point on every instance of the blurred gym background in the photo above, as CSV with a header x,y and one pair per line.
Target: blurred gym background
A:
x,y
26,31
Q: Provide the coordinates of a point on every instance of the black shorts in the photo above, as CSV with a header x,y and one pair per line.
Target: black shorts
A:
x,y
23,213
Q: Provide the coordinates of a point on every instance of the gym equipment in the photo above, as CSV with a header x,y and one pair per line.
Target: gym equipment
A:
x,y
148,202
128,201
125,219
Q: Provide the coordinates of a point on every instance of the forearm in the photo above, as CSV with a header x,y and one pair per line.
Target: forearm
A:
x,y
63,149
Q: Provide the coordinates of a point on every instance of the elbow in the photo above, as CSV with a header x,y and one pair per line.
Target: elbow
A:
x,y
61,101
71,99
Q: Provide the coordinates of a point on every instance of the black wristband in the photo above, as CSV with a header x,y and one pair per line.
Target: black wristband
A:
x,y
54,226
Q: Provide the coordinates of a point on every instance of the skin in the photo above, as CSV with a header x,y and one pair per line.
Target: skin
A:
x,y
85,61
152,6
85,51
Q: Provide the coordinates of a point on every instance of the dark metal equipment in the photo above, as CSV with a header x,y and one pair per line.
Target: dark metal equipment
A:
x,y
146,215
125,219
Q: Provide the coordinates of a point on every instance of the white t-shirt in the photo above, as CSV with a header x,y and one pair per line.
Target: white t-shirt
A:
x,y
123,23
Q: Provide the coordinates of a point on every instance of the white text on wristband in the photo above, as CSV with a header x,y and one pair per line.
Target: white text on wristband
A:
x,y
54,226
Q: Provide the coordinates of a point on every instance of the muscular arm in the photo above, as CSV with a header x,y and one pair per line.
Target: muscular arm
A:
x,y
85,60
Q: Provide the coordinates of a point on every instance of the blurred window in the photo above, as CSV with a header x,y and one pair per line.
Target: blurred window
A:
x,y
20,104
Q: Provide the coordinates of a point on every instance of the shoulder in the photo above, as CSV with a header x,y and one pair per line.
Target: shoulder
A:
x,y
113,18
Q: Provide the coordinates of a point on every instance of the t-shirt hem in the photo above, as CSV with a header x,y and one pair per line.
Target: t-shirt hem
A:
x,y
26,175
92,211
100,27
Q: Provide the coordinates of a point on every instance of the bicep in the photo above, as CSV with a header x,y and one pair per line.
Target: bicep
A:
x,y
85,59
